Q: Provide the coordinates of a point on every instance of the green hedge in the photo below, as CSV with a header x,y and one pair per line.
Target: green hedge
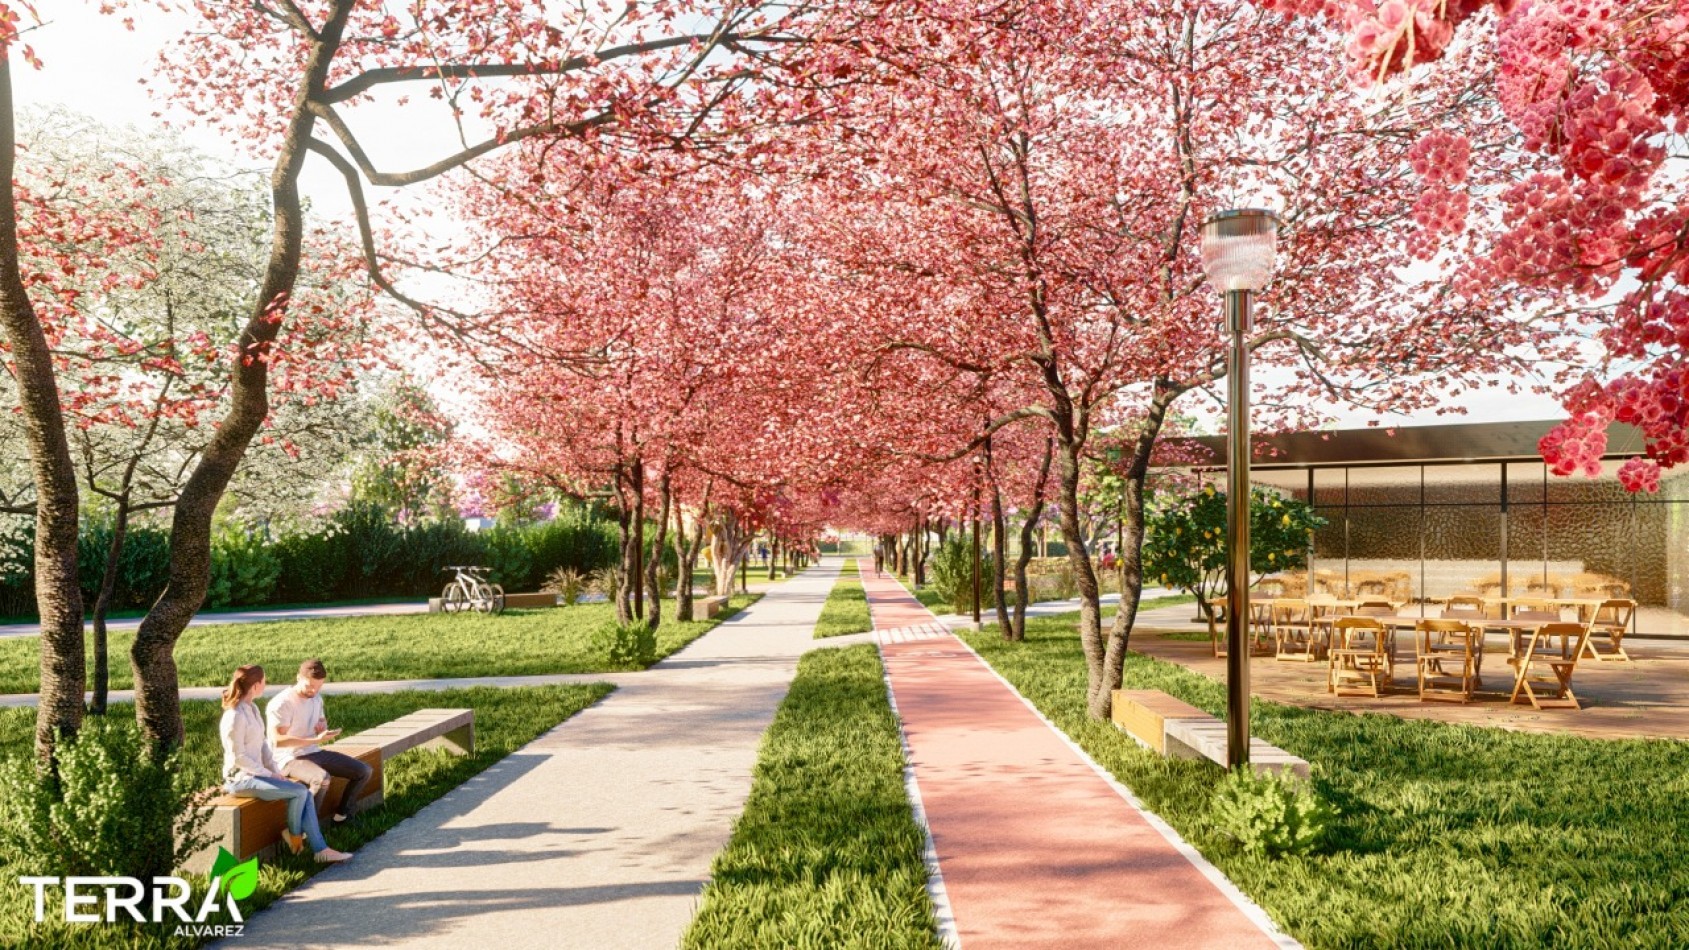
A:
x,y
360,553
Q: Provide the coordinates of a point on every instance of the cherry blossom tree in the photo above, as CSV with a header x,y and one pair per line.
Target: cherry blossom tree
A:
x,y
140,328
1028,208
277,75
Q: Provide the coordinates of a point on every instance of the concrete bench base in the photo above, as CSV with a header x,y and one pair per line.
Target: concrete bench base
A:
x,y
1177,729
708,608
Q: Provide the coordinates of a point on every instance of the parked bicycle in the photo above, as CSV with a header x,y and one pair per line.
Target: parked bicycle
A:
x,y
470,590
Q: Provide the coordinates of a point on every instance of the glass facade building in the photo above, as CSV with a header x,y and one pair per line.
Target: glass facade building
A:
x,y
1437,511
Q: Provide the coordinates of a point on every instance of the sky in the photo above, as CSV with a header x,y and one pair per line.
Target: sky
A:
x,y
95,67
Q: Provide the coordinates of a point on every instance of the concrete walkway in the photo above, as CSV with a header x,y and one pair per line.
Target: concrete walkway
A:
x,y
1036,847
598,834
249,616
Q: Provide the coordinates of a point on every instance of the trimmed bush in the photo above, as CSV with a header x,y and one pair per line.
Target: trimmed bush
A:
x,y
109,811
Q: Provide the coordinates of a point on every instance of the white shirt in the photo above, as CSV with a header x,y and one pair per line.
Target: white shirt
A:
x,y
299,716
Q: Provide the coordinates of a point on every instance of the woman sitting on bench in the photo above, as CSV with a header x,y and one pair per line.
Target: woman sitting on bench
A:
x,y
249,767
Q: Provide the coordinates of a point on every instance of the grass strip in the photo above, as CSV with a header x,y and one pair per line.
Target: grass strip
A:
x,y
1450,835
846,610
505,720
827,852
411,646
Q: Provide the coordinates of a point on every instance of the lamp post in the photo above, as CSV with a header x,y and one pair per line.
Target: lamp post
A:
x,y
1237,255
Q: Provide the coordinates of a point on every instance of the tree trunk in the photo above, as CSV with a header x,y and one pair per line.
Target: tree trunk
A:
x,y
686,551
623,593
58,594
157,699
1023,595
102,606
654,569
1097,698
1132,550
922,548
999,541
727,548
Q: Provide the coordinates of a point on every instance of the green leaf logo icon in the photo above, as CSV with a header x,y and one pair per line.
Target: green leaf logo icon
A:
x,y
240,880
224,862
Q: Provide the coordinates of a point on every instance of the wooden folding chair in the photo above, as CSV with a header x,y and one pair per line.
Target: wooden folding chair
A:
x,y
1294,636
1360,654
1260,630
1439,646
1612,620
1542,674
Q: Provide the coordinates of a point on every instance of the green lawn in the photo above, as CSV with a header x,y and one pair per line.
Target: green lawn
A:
x,y
827,852
505,720
415,646
1450,836
846,610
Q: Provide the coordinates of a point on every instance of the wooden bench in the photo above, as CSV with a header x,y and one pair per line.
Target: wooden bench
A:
x,y
530,600
251,826
708,607
1172,727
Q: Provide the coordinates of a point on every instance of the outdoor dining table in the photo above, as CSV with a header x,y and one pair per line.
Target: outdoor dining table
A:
x,y
1516,631
1585,606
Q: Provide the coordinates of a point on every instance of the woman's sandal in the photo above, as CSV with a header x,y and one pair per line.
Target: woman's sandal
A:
x,y
295,843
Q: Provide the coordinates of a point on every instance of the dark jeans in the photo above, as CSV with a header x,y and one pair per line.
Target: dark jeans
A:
x,y
316,769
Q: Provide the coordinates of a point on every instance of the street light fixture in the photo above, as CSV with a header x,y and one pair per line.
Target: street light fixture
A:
x,y
1238,248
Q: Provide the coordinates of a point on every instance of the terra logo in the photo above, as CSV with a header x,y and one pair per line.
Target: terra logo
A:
x,y
92,900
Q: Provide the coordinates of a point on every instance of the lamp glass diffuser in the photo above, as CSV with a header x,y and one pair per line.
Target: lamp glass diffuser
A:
x,y
1238,248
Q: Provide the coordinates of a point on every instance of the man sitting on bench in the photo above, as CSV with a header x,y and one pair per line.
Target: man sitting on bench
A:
x,y
297,725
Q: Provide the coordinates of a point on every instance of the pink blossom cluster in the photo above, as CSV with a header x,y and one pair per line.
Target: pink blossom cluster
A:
x,y
1533,67
1640,474
1609,129
1440,210
1441,158
1576,445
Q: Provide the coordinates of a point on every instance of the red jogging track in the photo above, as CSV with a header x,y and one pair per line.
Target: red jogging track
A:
x,y
1036,849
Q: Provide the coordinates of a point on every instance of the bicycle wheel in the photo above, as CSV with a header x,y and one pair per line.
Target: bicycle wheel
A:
x,y
454,599
489,598
497,598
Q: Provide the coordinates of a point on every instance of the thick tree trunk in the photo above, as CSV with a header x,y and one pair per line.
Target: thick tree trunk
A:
x,y
654,569
728,547
1132,540
686,551
157,699
102,606
58,595
1023,595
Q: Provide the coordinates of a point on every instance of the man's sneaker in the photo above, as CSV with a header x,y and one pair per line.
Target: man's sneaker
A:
x,y
340,819
331,856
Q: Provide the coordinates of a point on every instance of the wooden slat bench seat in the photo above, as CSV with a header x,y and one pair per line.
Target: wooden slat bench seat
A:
x,y
530,600
1175,728
450,729
249,826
